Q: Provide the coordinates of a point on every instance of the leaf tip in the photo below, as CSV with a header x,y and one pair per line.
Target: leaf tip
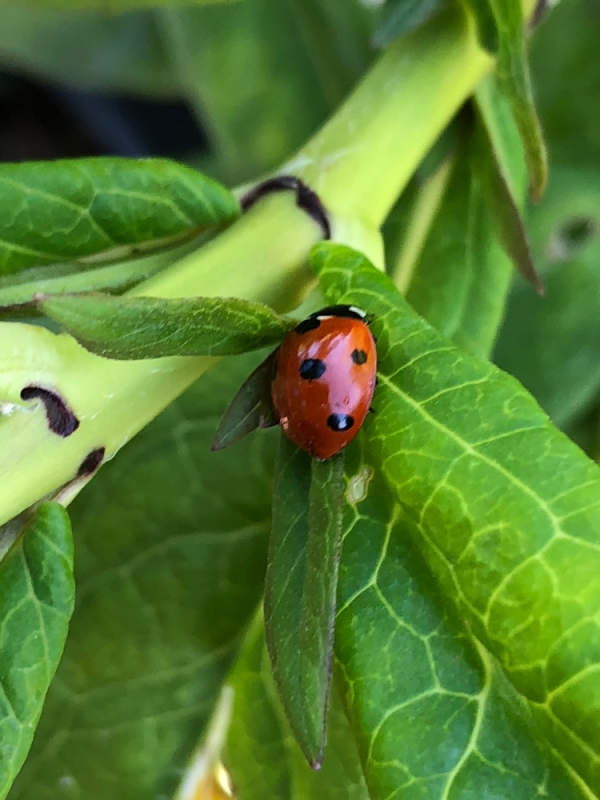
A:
x,y
317,763
532,276
538,170
217,444
537,189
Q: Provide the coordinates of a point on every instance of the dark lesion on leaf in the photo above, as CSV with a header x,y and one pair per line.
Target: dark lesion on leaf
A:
x,y
91,462
306,199
61,420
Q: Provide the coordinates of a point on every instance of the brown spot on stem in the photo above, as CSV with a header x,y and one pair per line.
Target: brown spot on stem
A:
x,y
61,420
91,462
306,199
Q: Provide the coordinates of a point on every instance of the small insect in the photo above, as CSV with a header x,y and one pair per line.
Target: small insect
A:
x,y
325,375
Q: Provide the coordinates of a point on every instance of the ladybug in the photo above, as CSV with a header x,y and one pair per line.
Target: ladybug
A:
x,y
325,375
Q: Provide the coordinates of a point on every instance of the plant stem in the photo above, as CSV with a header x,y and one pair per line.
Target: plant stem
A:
x,y
359,162
422,215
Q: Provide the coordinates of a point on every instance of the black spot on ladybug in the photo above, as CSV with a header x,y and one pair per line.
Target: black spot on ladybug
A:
x,y
340,422
61,420
312,368
359,357
308,324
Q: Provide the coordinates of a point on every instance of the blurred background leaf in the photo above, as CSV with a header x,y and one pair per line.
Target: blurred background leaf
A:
x,y
399,17
95,50
297,60
552,344
113,6
170,559
566,66
459,277
258,77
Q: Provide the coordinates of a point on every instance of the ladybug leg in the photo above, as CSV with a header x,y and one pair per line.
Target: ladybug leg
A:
x,y
306,199
371,410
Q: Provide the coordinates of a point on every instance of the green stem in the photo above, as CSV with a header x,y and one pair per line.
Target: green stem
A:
x,y
359,163
361,160
422,215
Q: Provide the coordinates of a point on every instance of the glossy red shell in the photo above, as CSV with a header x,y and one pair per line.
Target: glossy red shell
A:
x,y
324,410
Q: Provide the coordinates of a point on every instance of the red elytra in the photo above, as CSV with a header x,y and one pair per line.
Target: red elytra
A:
x,y
324,380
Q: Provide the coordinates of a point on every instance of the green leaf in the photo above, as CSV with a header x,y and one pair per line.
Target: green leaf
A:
x,y
505,508
432,713
253,124
148,327
21,287
496,114
262,756
512,73
325,511
171,550
300,588
552,345
461,276
108,207
97,50
501,170
403,16
251,408
35,607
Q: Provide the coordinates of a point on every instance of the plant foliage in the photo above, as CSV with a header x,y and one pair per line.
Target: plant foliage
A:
x,y
417,617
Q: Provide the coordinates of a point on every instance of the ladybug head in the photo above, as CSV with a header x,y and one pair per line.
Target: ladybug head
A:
x,y
313,321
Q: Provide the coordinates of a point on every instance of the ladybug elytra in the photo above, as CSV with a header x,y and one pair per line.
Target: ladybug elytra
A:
x,y
324,379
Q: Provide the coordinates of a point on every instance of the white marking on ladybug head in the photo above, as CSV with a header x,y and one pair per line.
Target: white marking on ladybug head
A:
x,y
358,311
